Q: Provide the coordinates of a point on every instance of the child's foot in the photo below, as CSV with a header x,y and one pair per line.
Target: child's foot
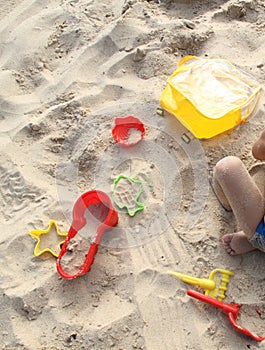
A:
x,y
237,243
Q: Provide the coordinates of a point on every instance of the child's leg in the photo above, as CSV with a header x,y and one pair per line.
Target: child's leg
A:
x,y
219,192
236,189
258,149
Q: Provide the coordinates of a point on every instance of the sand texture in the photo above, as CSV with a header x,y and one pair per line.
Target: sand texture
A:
x,y
68,69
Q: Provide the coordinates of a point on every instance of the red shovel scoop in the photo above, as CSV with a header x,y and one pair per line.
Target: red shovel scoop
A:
x,y
231,310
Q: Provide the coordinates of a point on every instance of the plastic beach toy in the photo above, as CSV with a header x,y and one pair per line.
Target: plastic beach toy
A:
x,y
209,96
215,285
229,309
126,192
40,235
93,211
128,131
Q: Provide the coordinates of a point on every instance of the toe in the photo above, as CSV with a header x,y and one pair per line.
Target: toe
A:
x,y
226,239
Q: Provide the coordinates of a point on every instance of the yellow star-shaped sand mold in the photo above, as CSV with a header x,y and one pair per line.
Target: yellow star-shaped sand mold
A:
x,y
48,243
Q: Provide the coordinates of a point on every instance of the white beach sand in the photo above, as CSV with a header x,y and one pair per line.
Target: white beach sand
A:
x,y
68,68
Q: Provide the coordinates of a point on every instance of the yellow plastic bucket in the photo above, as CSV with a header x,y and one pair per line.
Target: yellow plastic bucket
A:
x,y
209,96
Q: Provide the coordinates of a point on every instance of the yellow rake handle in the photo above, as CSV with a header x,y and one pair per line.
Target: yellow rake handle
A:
x,y
204,283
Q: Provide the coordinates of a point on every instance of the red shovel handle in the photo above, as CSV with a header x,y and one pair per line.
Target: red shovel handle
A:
x,y
228,308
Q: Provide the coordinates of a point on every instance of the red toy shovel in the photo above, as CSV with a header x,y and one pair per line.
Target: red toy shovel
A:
x,y
231,310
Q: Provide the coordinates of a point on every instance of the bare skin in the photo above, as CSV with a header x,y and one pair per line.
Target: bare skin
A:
x,y
258,149
237,191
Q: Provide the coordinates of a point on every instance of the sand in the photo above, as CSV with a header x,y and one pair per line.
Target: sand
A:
x,y
68,68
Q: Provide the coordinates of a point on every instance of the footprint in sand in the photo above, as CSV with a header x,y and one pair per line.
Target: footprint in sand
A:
x,y
156,283
16,193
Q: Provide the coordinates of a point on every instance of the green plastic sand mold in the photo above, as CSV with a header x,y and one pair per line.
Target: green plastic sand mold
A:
x,y
126,192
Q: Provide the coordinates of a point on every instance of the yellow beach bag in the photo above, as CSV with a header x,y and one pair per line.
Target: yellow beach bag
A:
x,y
209,96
